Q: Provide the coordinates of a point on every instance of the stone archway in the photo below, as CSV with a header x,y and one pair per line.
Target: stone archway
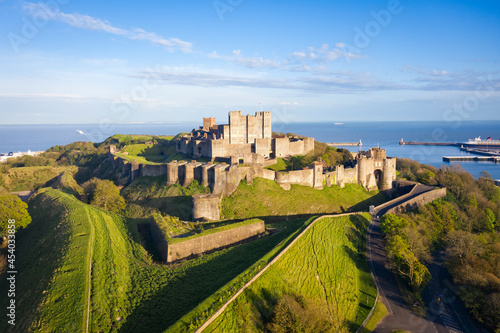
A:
x,y
379,175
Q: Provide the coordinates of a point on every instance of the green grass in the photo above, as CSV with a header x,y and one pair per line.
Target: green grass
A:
x,y
54,278
262,251
279,166
153,193
149,297
31,178
327,265
378,314
141,138
173,240
267,198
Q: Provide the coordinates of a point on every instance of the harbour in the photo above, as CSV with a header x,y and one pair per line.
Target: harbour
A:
x,y
495,159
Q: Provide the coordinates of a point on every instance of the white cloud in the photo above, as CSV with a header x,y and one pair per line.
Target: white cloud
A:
x,y
249,62
42,96
104,62
324,54
92,23
300,55
288,103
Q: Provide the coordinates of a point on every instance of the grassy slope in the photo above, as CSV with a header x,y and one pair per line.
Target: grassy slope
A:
x,y
266,197
149,297
153,192
260,252
30,178
279,166
147,153
327,265
56,273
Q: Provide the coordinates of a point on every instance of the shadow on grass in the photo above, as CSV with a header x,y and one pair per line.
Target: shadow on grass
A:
x,y
166,293
375,200
179,206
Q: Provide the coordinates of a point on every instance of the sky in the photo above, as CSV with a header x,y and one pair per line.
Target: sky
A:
x,y
70,62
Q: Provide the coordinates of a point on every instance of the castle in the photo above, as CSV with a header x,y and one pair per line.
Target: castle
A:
x,y
246,147
243,135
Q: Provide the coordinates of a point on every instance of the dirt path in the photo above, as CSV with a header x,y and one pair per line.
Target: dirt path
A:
x,y
249,283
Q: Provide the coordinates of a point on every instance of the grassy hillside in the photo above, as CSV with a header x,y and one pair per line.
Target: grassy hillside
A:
x,y
30,178
153,195
54,278
266,197
325,272
129,293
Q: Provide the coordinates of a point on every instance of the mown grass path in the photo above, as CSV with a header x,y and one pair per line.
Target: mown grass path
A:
x,y
89,282
249,283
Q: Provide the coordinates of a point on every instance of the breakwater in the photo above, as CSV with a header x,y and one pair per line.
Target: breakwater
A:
x,y
345,144
416,143
495,159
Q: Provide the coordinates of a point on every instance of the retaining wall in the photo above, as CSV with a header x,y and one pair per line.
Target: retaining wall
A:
x,y
214,241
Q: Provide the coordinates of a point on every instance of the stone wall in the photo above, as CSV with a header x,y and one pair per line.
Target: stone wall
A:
x,y
223,179
159,239
418,201
214,241
298,177
206,207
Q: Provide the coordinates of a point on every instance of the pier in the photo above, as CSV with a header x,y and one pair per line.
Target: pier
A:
x,y
495,159
415,143
337,144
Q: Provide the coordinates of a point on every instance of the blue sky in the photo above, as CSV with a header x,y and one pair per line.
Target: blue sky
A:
x,y
67,61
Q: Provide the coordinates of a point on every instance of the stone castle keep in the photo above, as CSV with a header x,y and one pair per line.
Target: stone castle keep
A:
x,y
247,148
243,135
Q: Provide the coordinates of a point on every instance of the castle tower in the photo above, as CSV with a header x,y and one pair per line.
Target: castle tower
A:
x,y
389,174
208,123
362,161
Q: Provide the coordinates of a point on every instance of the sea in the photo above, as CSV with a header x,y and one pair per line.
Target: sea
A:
x,y
383,134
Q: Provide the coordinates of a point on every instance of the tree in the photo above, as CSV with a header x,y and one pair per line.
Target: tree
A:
x,y
103,193
12,208
463,245
392,224
406,263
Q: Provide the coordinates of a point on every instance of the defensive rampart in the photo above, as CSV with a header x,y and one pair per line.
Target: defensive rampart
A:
x,y
211,242
418,201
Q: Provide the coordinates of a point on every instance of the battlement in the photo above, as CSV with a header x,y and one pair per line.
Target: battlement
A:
x,y
242,135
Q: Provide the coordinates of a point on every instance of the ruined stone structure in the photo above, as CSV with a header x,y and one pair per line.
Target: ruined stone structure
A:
x,y
243,135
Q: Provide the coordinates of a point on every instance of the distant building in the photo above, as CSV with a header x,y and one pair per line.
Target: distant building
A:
x,y
242,135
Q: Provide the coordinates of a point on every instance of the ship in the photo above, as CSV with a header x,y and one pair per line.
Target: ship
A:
x,y
480,143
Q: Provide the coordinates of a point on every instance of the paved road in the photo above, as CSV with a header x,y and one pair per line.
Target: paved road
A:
x,y
445,312
400,316
444,307
23,195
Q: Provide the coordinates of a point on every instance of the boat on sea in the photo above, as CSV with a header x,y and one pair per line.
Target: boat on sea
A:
x,y
480,143
338,123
